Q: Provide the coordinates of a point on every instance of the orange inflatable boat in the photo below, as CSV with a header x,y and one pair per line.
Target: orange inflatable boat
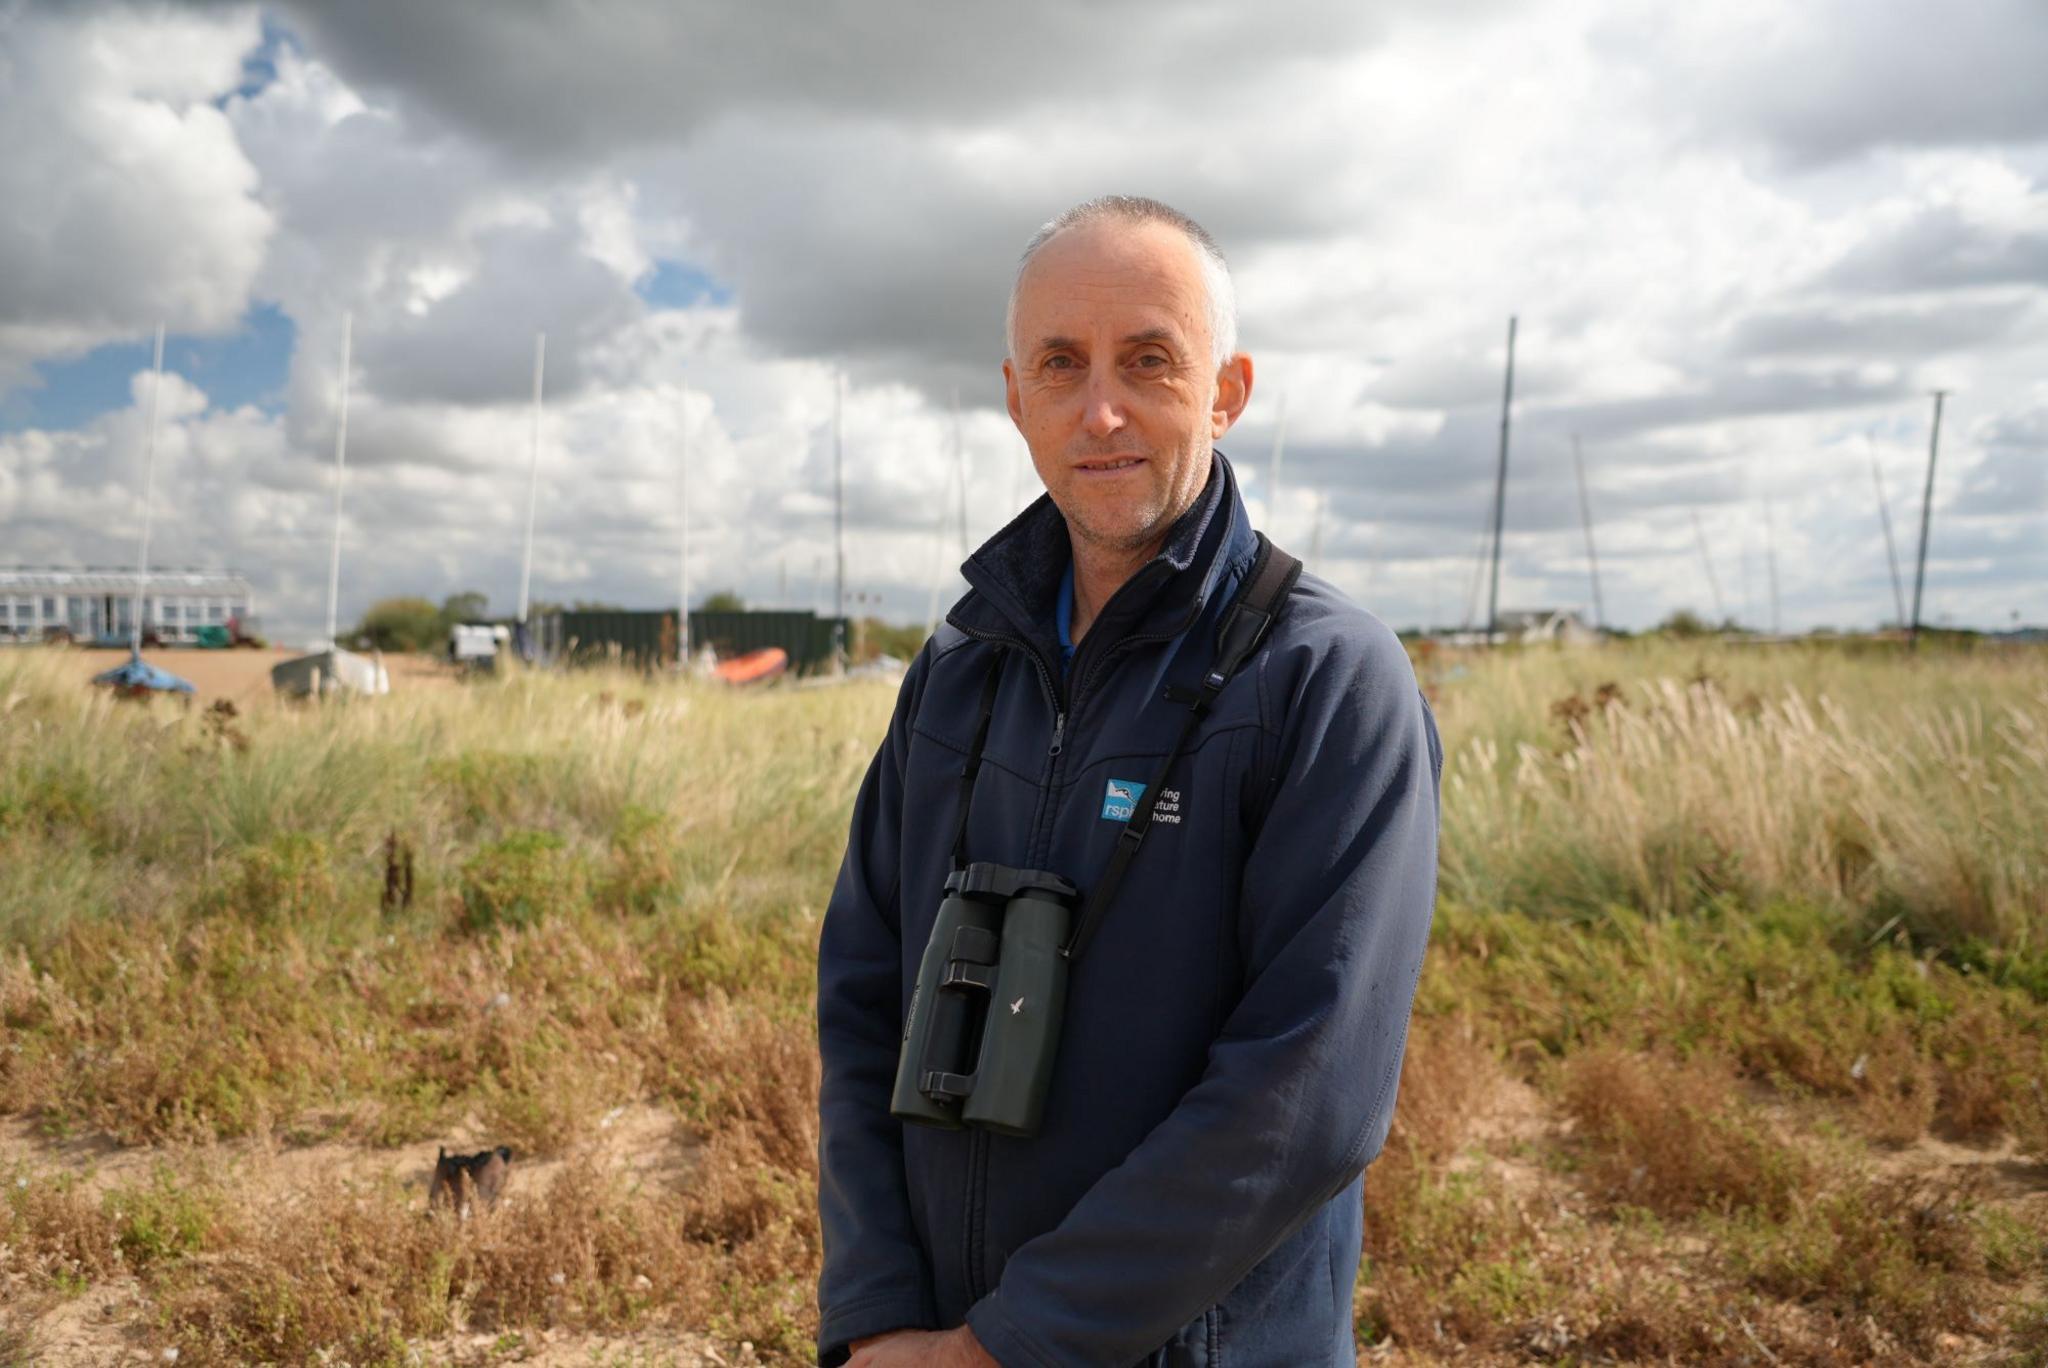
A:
x,y
753,667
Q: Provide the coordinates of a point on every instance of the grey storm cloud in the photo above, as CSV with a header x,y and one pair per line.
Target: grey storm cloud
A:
x,y
891,246
572,79
1908,75
1829,80
1885,331
833,169
1732,394
1942,249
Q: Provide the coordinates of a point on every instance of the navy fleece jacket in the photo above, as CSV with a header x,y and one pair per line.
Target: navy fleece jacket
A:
x,y
1233,1038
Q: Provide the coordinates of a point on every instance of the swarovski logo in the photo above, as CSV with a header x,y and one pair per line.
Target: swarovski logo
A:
x,y
1017,1006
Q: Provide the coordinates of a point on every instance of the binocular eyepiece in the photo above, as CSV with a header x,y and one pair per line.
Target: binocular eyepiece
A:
x,y
984,1019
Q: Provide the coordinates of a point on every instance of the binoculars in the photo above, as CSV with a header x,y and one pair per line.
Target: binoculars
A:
x,y
984,1019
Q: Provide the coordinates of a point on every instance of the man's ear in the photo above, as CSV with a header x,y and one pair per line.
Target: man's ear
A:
x,y
1233,392
1010,394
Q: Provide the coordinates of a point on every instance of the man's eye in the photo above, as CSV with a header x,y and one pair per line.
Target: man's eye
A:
x,y
1059,363
1149,361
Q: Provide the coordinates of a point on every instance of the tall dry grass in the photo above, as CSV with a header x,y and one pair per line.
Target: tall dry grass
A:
x,y
1908,795
1735,930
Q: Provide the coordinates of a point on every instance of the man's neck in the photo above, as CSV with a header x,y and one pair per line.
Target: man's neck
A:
x,y
1099,571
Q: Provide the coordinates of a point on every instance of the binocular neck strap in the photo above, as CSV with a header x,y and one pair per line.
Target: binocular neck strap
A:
x,y
1272,578
973,765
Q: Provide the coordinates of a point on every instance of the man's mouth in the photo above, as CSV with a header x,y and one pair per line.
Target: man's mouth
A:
x,y
1110,463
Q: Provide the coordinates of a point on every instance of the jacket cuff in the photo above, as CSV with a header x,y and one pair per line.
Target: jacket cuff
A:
x,y
1005,1340
842,1325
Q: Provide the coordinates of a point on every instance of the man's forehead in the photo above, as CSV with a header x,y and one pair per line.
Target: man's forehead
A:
x,y
1138,277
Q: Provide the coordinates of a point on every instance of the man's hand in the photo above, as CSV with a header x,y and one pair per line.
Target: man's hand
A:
x,y
921,1349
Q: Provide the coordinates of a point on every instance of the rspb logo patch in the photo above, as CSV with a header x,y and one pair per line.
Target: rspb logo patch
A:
x,y
1120,799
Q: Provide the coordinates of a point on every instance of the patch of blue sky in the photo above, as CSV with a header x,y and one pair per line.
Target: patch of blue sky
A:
x,y
259,64
679,285
247,366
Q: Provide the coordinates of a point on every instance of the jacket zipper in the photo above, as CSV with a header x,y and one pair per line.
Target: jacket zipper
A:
x,y
976,1204
978,1144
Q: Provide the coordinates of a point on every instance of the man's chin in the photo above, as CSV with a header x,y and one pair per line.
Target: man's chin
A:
x,y
1123,530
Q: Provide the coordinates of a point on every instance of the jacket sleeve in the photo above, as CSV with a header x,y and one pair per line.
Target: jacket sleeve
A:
x,y
1299,1087
875,1275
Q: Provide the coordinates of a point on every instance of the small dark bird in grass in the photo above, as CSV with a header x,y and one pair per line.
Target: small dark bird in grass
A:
x,y
463,1182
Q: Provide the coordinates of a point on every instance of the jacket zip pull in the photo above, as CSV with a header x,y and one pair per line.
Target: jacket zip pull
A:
x,y
1059,731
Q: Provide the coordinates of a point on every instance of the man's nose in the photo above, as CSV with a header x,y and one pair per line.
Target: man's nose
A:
x,y
1104,415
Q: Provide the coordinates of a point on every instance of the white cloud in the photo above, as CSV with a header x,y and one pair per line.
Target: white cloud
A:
x,y
1738,251
128,199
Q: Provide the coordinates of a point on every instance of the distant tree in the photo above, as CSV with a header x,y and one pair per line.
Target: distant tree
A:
x,y
723,601
596,606
877,637
466,606
1684,623
401,624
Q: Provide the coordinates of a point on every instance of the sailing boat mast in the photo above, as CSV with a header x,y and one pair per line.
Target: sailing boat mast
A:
x,y
1891,551
954,474
156,386
1926,518
839,494
1315,535
1500,488
683,536
1586,516
340,470
1771,561
1273,468
960,471
540,353
1713,582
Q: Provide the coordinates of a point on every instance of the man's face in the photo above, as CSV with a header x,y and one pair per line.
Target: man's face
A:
x,y
1113,382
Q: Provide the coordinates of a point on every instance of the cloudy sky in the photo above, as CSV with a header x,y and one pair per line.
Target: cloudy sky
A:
x,y
1743,240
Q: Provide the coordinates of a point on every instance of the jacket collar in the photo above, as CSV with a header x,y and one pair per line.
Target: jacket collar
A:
x,y
1014,577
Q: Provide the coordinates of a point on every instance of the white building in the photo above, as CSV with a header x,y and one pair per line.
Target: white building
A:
x,y
98,603
1531,626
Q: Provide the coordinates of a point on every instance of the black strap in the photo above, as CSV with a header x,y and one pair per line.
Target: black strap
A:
x,y
1244,626
973,765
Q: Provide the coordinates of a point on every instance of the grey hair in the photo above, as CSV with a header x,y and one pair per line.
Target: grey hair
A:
x,y
1136,209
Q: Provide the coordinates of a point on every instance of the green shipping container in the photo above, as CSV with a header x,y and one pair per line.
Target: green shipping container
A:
x,y
647,638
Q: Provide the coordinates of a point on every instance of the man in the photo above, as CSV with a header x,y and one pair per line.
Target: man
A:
x,y
1233,1036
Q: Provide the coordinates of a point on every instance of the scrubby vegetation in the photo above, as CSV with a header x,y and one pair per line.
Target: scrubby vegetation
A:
x,y
1731,1045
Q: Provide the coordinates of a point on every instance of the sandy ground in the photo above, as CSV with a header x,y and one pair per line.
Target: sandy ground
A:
x,y
109,1323
243,675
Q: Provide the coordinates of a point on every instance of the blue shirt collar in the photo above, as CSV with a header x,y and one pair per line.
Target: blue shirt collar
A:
x,y
1063,615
